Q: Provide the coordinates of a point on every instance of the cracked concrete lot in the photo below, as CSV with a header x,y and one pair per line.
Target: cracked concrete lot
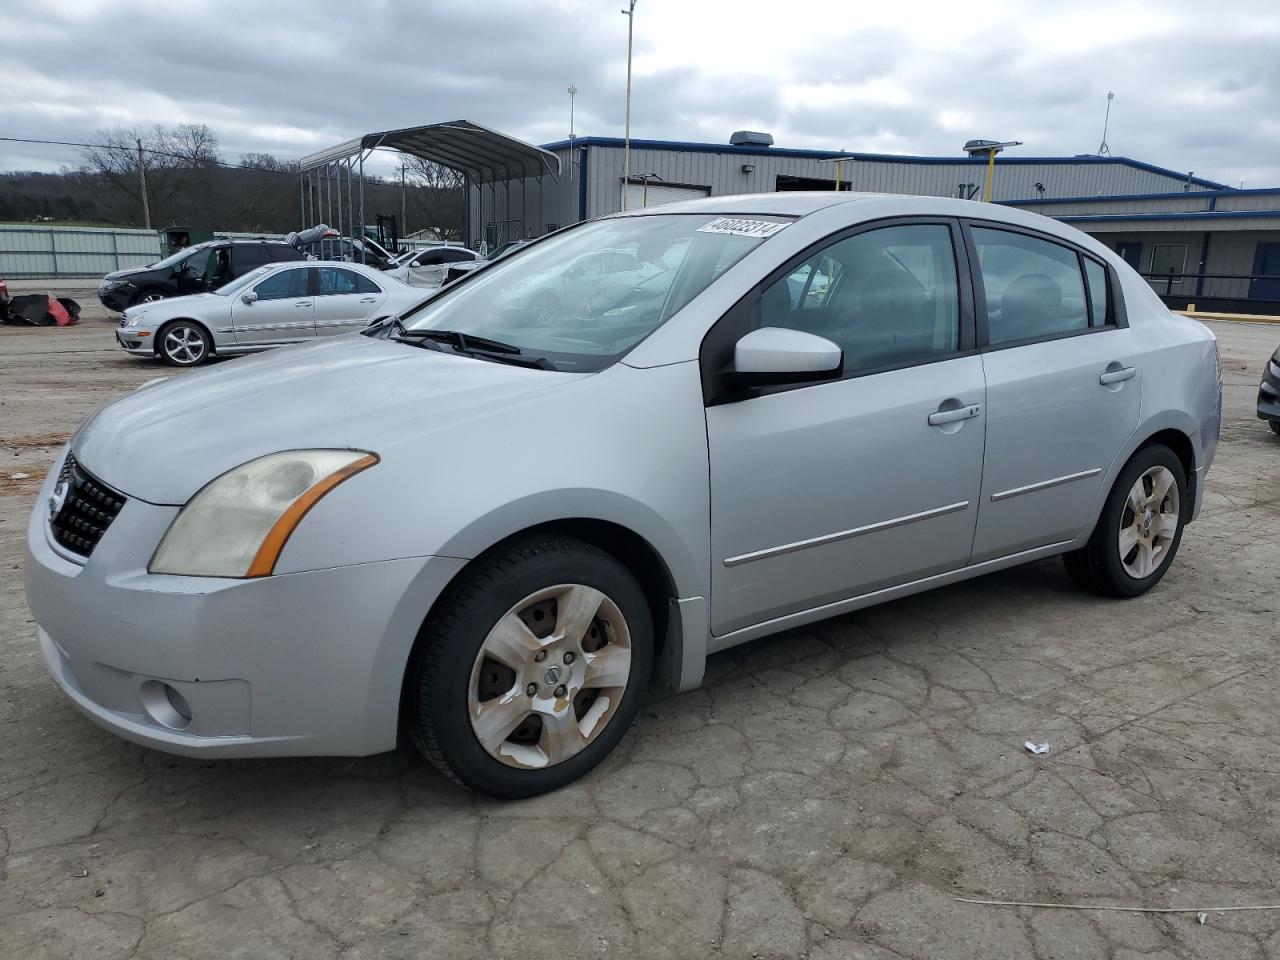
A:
x,y
827,794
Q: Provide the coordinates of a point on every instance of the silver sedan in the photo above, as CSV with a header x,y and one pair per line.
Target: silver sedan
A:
x,y
269,307
498,531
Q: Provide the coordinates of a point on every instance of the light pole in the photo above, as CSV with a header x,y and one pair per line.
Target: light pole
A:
x,y
977,148
630,14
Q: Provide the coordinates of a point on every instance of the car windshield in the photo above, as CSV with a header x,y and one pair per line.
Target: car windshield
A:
x,y
583,298
176,258
235,286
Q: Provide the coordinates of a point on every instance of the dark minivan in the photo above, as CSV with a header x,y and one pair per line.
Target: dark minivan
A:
x,y
196,269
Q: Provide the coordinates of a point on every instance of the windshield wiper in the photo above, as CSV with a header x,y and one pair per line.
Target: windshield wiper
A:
x,y
465,342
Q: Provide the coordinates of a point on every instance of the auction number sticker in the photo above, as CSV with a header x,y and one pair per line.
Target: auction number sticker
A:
x,y
742,228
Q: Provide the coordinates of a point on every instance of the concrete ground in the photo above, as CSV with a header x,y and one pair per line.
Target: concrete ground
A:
x,y
827,794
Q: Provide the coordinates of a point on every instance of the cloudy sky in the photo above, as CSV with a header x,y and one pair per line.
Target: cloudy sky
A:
x,y
1197,84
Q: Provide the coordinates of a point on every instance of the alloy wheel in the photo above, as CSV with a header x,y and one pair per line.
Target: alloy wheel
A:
x,y
549,676
1148,522
184,344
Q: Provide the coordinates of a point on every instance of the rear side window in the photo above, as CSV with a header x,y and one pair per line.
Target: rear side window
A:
x,y
1033,286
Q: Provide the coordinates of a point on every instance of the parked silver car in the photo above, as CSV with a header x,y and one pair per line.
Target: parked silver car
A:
x,y
499,532
426,268
269,307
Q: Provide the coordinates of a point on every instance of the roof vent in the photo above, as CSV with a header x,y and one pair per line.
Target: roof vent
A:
x,y
749,138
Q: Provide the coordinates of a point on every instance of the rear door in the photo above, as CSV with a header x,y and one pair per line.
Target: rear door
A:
x,y
282,312
1064,385
345,300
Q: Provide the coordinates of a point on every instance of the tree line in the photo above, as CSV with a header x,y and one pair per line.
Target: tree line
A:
x,y
189,183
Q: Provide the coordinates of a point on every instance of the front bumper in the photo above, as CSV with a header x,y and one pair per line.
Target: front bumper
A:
x,y
139,346
1269,392
116,299
298,664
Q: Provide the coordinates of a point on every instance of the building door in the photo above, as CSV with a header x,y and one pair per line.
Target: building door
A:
x,y
1265,284
1131,253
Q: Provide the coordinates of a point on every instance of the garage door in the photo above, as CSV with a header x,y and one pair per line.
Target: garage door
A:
x,y
660,193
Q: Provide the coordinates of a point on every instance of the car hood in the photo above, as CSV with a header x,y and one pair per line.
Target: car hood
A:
x,y
194,306
131,272
165,441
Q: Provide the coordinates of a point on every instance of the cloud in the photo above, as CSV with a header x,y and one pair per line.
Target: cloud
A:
x,y
1193,91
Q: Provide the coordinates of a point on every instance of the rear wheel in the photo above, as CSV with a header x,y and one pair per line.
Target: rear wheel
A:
x,y
183,343
533,669
1139,529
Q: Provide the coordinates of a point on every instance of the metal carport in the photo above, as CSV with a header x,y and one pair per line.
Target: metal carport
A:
x,y
484,157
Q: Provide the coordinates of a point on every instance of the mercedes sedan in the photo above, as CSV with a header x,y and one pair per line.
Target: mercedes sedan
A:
x,y
270,307
497,531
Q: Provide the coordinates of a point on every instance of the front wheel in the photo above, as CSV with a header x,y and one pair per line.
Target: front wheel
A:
x,y
533,670
183,343
1139,530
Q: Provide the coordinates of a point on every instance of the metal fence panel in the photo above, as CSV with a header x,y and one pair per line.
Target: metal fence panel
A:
x,y
58,252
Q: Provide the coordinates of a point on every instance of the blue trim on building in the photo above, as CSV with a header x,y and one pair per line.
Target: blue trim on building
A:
x,y
687,147
1189,215
1212,194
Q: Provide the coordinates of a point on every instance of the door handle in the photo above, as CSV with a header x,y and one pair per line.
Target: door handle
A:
x,y
1117,374
952,416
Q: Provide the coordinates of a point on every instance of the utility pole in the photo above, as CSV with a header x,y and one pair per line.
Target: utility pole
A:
x,y
630,14
404,229
142,180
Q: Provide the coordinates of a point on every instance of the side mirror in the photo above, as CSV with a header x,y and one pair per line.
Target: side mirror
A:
x,y
772,356
249,297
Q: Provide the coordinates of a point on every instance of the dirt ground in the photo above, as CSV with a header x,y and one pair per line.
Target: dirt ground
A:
x,y
827,794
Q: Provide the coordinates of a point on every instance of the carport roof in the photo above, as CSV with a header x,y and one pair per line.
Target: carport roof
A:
x,y
484,155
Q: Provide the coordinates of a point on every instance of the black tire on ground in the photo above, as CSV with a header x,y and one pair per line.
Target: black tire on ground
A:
x,y
1274,425
146,296
440,669
183,343
1097,565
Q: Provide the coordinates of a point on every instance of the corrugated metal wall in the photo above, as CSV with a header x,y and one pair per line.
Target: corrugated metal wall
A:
x,y
33,251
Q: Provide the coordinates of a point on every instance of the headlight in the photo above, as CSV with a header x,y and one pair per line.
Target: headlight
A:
x,y
237,525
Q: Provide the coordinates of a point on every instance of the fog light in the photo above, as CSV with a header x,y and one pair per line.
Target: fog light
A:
x,y
165,705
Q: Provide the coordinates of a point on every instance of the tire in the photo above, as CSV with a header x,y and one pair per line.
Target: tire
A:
x,y
147,296
1274,425
1152,533
542,307
183,343
452,677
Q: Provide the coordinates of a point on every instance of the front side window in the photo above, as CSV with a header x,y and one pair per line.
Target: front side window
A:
x,y
583,298
888,297
1033,286
283,285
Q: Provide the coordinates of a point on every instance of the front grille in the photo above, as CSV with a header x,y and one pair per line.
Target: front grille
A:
x,y
87,510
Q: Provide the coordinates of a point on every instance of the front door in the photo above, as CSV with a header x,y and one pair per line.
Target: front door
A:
x,y
1064,387
824,492
345,300
1265,284
282,312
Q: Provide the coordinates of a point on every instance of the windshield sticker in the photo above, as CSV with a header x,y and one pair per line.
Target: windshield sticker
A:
x,y
742,228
